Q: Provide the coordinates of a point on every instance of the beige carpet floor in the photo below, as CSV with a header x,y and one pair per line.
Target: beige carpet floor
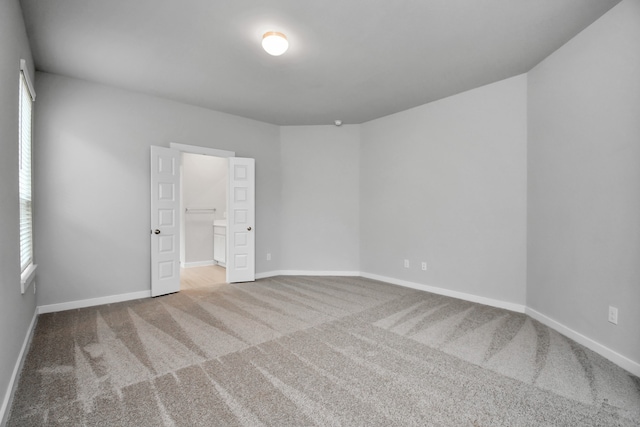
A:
x,y
303,351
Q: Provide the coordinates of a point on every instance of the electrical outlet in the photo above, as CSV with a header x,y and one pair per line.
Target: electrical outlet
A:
x,y
613,315
424,266
406,263
269,256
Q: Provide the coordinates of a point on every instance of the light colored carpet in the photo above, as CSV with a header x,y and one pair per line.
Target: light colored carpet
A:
x,y
302,351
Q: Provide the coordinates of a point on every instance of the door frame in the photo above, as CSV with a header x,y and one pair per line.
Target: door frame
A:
x,y
195,149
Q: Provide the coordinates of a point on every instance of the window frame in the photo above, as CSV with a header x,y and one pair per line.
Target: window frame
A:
x,y
28,269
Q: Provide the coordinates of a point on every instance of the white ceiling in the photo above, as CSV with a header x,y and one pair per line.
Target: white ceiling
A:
x,y
354,60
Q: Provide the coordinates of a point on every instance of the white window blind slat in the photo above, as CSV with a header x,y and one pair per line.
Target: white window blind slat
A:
x,y
24,175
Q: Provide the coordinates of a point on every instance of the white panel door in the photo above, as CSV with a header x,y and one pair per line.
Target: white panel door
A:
x,y
241,221
165,227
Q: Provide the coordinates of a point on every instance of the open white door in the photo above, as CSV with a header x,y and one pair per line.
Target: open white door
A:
x,y
165,227
241,221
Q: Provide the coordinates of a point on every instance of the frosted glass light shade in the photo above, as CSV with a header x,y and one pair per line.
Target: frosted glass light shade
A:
x,y
275,43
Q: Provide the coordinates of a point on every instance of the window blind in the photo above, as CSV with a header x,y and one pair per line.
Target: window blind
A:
x,y
24,177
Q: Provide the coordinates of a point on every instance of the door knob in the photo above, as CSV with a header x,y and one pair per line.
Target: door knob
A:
x,y
157,231
248,228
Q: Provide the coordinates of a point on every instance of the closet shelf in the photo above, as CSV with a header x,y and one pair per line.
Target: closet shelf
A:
x,y
200,211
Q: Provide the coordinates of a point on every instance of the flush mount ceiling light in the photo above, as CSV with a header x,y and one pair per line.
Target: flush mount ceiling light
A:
x,y
275,43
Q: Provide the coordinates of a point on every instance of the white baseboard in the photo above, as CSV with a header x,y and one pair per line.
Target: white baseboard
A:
x,y
52,308
606,352
519,308
17,367
266,274
305,273
198,263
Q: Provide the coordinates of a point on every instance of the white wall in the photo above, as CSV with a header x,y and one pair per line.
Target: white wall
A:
x,y
445,183
204,186
16,310
320,186
92,182
584,181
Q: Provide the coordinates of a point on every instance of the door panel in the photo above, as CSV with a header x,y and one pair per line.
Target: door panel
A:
x,y
165,231
241,226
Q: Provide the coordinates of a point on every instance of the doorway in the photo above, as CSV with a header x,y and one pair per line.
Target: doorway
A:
x,y
167,234
203,202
